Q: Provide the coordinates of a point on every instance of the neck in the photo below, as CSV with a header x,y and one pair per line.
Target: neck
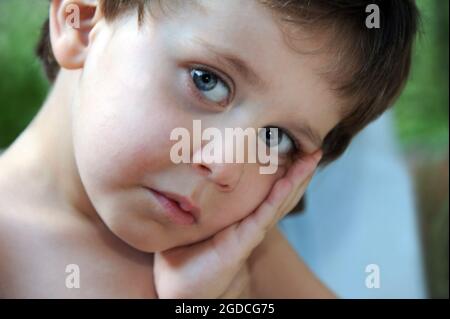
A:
x,y
45,148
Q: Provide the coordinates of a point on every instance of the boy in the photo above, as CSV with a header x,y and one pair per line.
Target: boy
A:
x,y
90,185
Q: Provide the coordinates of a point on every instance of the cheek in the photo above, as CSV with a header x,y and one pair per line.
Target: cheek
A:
x,y
229,208
122,130
119,142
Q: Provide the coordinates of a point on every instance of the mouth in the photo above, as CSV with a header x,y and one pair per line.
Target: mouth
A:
x,y
180,209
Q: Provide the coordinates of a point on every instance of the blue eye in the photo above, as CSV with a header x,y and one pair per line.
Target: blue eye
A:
x,y
210,85
274,136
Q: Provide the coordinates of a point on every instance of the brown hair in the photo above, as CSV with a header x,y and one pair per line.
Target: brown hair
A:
x,y
370,76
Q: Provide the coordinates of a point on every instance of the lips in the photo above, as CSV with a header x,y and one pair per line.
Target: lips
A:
x,y
180,209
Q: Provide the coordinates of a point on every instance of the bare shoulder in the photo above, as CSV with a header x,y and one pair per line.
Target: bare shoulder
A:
x,y
5,188
5,195
12,200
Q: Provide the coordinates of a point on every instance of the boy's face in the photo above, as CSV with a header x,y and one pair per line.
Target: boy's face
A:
x,y
138,84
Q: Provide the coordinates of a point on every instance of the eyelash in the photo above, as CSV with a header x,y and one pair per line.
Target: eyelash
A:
x,y
298,150
226,80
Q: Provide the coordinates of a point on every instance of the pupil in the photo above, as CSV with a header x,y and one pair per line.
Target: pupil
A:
x,y
204,81
269,134
206,78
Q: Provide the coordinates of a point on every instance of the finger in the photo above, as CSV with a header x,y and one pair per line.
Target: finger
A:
x,y
297,172
296,178
242,237
252,229
295,197
291,202
297,194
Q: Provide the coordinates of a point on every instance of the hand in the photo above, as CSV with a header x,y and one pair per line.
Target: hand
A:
x,y
216,267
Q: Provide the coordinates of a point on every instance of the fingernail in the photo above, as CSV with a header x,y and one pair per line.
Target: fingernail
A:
x,y
317,155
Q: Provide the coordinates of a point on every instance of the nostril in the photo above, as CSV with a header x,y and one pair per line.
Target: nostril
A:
x,y
218,177
224,187
203,169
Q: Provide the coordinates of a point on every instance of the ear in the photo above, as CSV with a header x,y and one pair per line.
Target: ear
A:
x,y
72,30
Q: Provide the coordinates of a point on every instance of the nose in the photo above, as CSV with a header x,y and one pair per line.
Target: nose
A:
x,y
224,175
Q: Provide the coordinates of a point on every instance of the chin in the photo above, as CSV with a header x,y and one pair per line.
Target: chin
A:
x,y
152,240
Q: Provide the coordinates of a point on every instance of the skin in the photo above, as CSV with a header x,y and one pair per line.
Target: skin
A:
x,y
102,136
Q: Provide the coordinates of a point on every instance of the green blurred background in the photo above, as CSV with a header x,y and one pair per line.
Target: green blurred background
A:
x,y
421,113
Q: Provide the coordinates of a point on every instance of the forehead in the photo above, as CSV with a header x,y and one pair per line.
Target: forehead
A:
x,y
246,36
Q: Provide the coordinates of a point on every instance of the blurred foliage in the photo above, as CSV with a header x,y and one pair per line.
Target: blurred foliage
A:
x,y
22,84
432,183
422,125
421,112
422,109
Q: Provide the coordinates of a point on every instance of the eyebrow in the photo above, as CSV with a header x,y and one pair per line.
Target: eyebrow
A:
x,y
236,63
248,73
